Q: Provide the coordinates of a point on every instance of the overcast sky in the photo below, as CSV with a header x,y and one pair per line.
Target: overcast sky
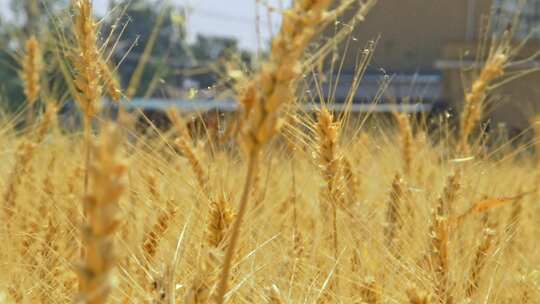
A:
x,y
233,18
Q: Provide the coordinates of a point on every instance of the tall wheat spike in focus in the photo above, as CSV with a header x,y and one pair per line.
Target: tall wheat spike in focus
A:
x,y
272,87
86,59
86,62
264,97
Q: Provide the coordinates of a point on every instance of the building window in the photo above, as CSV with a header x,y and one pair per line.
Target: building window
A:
x,y
529,16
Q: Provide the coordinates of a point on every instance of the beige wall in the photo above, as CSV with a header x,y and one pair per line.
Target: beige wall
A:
x,y
414,32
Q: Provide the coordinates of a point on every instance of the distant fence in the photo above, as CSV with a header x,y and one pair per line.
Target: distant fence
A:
x,y
161,105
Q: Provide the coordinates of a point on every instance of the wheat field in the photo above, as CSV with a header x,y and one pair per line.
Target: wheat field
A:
x,y
283,206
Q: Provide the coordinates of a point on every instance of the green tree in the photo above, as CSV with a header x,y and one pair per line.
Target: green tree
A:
x,y
146,25
33,14
172,58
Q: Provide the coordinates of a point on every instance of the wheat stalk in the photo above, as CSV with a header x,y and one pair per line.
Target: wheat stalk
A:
x,y
407,142
274,295
475,98
394,220
351,180
48,121
200,289
184,143
329,162
32,67
24,154
86,59
156,233
110,81
370,292
194,162
107,172
416,296
479,262
220,220
440,238
264,97
514,221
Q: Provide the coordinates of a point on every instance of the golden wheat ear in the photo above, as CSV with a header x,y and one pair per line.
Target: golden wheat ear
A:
x,y
86,59
416,296
475,98
370,291
394,216
329,161
153,237
23,156
32,67
101,205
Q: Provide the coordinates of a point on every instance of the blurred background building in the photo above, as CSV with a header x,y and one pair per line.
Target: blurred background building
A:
x,y
426,49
